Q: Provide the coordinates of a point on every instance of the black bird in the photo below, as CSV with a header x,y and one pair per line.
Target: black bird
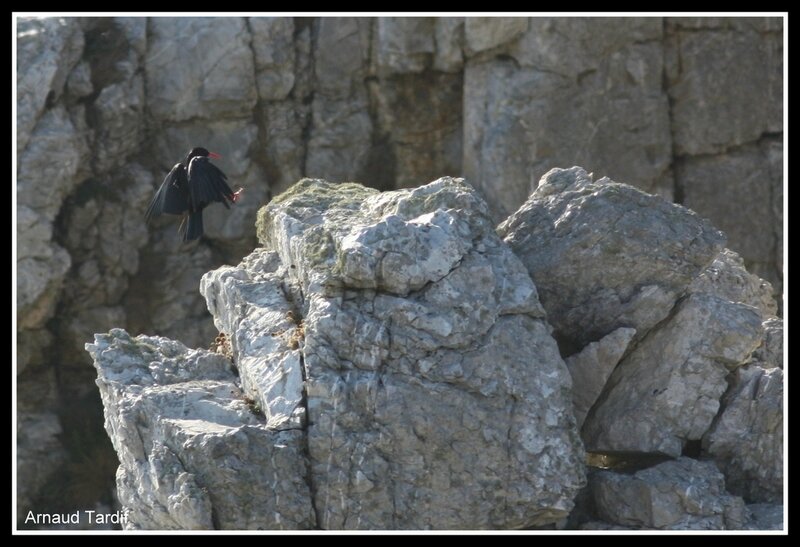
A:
x,y
191,186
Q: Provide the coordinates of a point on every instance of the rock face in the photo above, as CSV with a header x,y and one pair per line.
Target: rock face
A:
x,y
728,279
591,368
746,440
764,516
405,310
676,495
107,105
667,391
193,453
605,255
391,368
702,373
379,332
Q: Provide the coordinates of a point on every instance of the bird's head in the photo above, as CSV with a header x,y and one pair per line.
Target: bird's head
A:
x,y
200,151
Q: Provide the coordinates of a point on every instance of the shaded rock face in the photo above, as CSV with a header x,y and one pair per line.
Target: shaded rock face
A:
x,y
746,439
695,370
398,366
667,391
605,255
591,368
676,495
106,106
403,344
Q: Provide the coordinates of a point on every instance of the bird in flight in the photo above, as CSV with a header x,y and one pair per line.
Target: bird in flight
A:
x,y
190,187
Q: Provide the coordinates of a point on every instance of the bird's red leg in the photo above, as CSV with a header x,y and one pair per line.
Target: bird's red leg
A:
x,y
236,195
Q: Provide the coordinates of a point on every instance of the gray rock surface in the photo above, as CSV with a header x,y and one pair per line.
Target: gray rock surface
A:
x,y
249,302
683,494
764,516
47,49
591,368
48,171
404,44
193,453
483,33
449,39
548,88
341,128
199,67
770,353
728,279
605,255
101,115
273,48
667,390
39,448
411,312
118,122
712,109
738,173
423,128
746,439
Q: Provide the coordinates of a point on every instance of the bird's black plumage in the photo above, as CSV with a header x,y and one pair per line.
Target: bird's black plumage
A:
x,y
190,187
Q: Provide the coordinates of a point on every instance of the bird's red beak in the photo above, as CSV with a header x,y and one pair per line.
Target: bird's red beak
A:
x,y
214,155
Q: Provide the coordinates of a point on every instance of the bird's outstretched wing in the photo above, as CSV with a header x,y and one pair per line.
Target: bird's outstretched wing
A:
x,y
172,197
207,184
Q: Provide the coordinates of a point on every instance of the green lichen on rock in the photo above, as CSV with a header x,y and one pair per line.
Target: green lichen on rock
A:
x,y
342,200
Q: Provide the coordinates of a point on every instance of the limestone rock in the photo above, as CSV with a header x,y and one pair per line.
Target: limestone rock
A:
x,y
39,448
404,44
193,454
725,103
341,127
764,516
668,389
79,82
274,56
770,353
488,32
591,368
546,102
683,494
742,214
728,279
118,121
746,440
249,305
605,255
416,383
449,39
47,50
48,171
199,67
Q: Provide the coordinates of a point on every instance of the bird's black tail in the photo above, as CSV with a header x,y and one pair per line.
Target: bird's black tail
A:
x,y
192,228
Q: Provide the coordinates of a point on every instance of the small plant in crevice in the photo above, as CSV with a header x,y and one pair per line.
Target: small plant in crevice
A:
x,y
253,405
293,336
222,345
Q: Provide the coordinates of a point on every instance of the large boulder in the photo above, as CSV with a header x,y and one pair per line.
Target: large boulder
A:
x,y
398,365
434,394
194,452
682,494
605,255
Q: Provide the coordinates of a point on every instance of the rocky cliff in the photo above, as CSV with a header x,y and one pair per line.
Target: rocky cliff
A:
x,y
390,362
688,108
